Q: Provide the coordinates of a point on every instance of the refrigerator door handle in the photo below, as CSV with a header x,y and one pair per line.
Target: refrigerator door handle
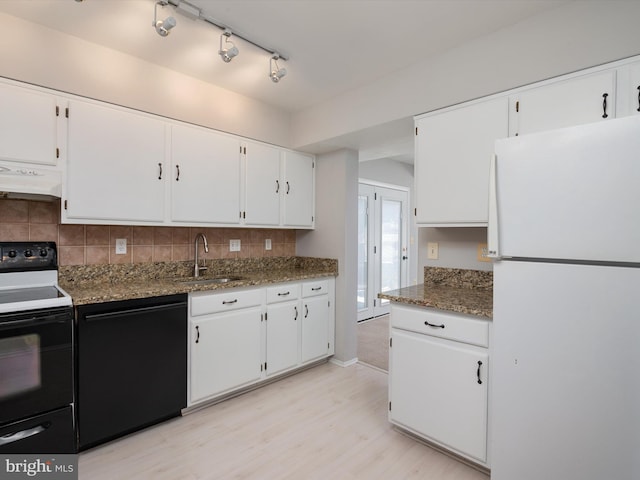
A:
x,y
492,230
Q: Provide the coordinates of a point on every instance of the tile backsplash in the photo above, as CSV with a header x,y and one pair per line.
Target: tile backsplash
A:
x,y
24,220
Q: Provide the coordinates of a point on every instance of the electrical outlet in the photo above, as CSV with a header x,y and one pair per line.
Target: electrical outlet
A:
x,y
121,246
267,244
234,245
483,253
432,250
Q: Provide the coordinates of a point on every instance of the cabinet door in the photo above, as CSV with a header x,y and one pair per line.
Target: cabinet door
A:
x,y
282,336
315,327
298,190
434,391
114,165
585,99
225,352
27,126
263,186
453,155
634,88
205,176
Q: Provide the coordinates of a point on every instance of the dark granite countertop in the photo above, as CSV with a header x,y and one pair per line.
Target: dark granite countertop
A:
x,y
454,290
105,283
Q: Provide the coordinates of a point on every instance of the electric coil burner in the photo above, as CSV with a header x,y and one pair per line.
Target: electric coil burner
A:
x,y
36,352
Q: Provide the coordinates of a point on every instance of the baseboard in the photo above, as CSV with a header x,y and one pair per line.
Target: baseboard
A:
x,y
340,363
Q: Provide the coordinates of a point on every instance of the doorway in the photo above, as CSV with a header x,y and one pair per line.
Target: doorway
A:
x,y
382,245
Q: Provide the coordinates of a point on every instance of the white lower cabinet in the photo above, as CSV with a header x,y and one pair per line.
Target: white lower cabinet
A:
x,y
315,320
241,337
438,379
283,328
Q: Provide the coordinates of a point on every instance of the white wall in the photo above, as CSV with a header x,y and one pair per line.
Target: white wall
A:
x,y
35,54
578,35
335,236
457,248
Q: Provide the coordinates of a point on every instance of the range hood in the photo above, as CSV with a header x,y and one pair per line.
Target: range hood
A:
x,y
19,181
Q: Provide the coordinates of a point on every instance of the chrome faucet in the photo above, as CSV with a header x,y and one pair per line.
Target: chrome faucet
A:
x,y
197,268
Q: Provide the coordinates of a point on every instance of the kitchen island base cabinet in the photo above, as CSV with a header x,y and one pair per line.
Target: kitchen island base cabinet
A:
x,y
438,386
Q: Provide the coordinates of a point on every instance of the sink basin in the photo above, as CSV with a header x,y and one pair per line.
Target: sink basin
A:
x,y
209,280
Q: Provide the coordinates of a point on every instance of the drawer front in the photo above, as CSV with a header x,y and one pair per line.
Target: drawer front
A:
x,y
284,292
452,326
318,287
202,303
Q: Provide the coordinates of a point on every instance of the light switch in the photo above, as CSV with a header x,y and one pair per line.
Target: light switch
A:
x,y
234,245
432,250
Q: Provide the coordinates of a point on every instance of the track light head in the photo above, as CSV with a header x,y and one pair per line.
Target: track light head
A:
x,y
275,72
230,51
163,27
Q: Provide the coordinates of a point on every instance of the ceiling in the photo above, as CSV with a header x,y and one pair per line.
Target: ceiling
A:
x,y
334,46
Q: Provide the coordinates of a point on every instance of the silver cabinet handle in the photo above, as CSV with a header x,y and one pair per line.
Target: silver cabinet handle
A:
x,y
160,174
277,186
288,188
296,310
177,173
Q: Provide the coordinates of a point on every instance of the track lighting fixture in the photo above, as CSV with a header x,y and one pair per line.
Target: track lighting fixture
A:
x,y
163,27
229,52
275,72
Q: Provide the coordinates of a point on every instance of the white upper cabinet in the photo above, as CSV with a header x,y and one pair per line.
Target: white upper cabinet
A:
x,y
577,100
263,185
28,126
634,89
299,185
205,176
115,165
453,154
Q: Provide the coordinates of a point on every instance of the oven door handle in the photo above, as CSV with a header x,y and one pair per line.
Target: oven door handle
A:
x,y
22,434
33,321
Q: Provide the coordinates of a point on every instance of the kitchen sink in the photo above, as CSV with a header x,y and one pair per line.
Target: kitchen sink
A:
x,y
209,280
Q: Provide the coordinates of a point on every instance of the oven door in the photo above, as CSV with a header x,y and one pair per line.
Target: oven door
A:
x,y
36,362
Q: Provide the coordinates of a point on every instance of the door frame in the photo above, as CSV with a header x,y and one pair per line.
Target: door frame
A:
x,y
375,306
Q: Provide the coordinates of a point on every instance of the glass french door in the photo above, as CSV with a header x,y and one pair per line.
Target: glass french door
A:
x,y
382,246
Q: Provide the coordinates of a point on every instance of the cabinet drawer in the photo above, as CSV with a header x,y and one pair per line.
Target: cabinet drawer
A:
x,y
282,293
202,303
311,289
436,323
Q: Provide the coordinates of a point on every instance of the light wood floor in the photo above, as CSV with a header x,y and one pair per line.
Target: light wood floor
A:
x,y
328,422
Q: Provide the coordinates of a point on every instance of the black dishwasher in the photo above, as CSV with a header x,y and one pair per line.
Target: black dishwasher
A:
x,y
131,365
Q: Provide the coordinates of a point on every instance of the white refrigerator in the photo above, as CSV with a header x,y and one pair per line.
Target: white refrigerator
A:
x,y
564,231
